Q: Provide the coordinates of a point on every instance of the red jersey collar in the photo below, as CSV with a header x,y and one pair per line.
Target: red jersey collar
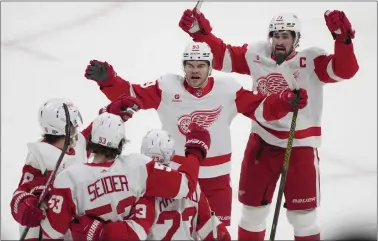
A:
x,y
200,92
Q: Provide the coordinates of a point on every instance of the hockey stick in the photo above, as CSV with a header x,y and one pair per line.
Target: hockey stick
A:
x,y
198,6
214,225
53,173
294,86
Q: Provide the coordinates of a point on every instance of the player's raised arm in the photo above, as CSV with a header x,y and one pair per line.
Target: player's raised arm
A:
x,y
113,86
227,58
343,63
164,182
272,107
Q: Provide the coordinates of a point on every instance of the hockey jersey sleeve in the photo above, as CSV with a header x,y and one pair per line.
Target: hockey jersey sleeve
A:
x,y
137,226
61,207
148,93
336,67
227,58
249,104
165,182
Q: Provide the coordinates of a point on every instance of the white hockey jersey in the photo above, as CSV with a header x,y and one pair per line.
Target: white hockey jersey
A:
x,y
109,191
178,105
182,219
312,68
40,162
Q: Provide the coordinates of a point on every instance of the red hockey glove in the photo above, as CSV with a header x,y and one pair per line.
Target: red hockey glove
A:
x,y
339,26
193,21
125,106
25,211
86,228
289,99
101,72
198,141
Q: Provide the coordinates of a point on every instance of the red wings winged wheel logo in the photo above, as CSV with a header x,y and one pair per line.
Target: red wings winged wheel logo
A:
x,y
203,118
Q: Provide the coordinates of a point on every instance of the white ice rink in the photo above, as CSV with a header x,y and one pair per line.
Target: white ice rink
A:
x,y
45,48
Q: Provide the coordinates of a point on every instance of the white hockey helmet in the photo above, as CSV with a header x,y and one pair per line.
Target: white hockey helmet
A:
x,y
288,22
52,118
108,130
159,145
198,51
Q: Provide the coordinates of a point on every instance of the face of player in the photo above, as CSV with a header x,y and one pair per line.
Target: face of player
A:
x,y
196,72
282,44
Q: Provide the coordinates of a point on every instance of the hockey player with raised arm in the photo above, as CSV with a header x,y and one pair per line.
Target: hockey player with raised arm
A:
x,y
179,219
43,155
202,99
312,68
110,188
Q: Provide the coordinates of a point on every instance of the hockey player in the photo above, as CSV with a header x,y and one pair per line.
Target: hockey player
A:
x,y
176,219
199,98
109,188
313,68
43,155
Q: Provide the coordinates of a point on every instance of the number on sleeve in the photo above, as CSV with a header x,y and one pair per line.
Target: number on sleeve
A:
x,y
55,203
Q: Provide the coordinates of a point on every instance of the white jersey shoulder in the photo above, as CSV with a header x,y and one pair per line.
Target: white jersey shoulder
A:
x,y
43,156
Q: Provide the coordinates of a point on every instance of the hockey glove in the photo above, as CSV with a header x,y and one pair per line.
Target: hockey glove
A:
x,y
125,106
101,72
193,21
339,26
86,228
289,99
25,211
198,141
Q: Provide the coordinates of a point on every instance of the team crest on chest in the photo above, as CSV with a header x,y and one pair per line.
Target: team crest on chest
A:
x,y
270,84
203,118
273,83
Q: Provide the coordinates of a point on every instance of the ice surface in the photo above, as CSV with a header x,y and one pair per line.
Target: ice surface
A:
x,y
46,46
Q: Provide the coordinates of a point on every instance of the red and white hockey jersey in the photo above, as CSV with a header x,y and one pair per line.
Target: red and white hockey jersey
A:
x,y
182,219
312,68
109,191
40,162
213,107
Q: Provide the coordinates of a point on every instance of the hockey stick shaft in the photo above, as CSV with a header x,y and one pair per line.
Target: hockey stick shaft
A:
x,y
214,225
53,173
284,171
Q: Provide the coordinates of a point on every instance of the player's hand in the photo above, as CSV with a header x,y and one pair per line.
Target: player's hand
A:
x,y
124,106
101,72
198,141
339,26
86,228
193,21
25,211
290,99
